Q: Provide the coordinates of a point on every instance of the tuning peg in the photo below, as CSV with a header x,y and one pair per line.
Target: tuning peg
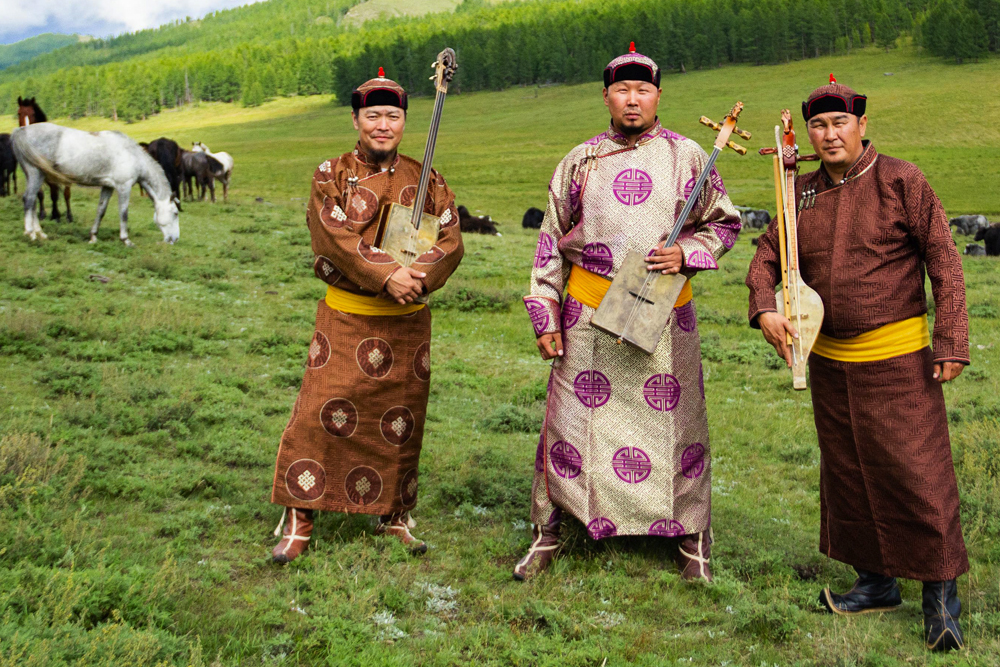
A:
x,y
704,120
434,64
736,147
770,150
432,77
743,134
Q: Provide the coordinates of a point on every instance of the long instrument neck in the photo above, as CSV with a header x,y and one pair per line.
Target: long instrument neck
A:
x,y
692,198
425,170
791,231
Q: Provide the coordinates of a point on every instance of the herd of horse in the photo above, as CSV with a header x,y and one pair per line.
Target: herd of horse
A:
x,y
61,157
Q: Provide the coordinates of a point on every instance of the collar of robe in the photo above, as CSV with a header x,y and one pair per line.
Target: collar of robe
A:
x,y
360,156
867,159
619,138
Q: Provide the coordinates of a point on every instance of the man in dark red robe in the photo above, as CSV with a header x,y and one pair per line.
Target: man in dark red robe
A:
x,y
869,228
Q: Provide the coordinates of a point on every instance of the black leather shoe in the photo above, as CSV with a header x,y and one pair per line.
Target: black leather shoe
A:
x,y
871,593
941,611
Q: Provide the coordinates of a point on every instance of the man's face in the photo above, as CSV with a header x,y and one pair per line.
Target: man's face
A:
x,y
380,129
836,137
632,105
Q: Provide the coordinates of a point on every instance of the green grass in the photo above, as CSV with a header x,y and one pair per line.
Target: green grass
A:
x,y
140,418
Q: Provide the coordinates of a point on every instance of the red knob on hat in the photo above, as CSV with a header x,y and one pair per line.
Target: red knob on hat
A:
x,y
833,79
631,47
381,72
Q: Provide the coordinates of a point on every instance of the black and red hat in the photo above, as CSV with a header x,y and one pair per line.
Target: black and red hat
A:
x,y
379,91
834,97
632,66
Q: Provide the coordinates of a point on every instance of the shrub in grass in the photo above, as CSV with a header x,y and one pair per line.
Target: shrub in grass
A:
x,y
512,419
467,299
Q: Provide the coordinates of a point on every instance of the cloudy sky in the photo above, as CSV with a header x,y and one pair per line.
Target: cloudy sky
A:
x,y
99,18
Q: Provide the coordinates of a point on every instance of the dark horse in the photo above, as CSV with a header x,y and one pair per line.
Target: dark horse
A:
x,y
8,166
29,113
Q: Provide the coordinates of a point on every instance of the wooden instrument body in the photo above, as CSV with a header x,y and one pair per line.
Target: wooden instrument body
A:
x,y
638,305
650,309
400,239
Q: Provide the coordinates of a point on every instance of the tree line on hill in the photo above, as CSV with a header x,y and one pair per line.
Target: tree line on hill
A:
x,y
514,43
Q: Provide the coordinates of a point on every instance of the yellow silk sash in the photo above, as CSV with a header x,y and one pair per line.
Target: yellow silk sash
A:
x,y
589,288
890,340
357,304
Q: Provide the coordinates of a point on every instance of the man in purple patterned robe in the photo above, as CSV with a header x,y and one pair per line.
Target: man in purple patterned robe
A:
x,y
624,447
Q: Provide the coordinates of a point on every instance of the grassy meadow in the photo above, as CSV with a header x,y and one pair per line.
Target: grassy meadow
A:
x,y
139,418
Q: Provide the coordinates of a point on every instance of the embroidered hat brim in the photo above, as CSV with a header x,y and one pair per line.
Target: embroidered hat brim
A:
x,y
834,97
379,92
632,67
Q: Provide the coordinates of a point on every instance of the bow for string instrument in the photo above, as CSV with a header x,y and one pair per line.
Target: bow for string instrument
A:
x,y
407,232
639,302
802,305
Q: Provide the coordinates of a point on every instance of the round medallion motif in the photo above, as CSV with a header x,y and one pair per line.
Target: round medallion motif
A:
x,y
566,460
666,528
592,388
686,316
543,251
715,178
397,425
339,417
700,259
725,234
408,487
662,392
632,186
408,195
571,311
539,315
326,270
305,479
422,362
319,351
363,485
693,461
602,527
361,204
374,357
332,215
597,258
631,464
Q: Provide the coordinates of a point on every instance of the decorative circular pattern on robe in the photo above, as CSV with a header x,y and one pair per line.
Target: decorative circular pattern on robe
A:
x,y
715,178
686,319
571,312
397,425
670,134
543,251
631,464
632,186
666,528
324,172
432,256
408,487
592,388
305,480
689,188
373,255
539,315
662,392
693,461
566,460
339,417
540,453
422,362
363,485
361,204
326,270
597,258
319,351
408,195
602,527
701,259
332,215
374,357
725,234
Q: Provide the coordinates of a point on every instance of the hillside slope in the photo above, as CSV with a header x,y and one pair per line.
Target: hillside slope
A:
x,y
26,49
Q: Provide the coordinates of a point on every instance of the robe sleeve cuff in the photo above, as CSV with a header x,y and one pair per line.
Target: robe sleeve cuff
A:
x,y
755,317
544,313
697,257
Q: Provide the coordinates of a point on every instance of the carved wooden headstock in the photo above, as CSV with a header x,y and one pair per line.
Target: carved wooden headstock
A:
x,y
444,69
727,128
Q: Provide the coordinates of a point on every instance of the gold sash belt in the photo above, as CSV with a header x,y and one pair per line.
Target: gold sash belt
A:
x,y
358,304
890,340
589,288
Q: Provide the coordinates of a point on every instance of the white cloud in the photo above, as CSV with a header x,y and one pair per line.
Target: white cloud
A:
x,y
100,18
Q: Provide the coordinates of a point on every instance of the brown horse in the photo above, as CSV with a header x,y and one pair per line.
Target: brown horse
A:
x,y
29,113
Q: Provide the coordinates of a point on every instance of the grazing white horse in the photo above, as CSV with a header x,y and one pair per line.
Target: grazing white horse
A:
x,y
108,160
225,159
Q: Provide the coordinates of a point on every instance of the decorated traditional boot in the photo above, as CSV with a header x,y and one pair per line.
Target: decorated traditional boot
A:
x,y
941,611
544,544
693,554
398,526
871,593
295,539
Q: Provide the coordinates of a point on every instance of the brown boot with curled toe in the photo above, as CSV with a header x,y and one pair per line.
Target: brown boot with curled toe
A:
x,y
693,554
298,528
398,526
544,544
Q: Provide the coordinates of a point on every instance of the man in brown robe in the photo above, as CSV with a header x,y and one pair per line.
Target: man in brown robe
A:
x,y
870,226
353,441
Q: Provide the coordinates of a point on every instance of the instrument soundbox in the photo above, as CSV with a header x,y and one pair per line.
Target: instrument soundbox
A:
x,y
640,302
407,232
803,306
